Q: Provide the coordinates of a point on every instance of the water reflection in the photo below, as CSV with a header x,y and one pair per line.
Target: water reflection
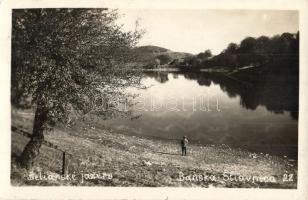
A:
x,y
259,114
277,92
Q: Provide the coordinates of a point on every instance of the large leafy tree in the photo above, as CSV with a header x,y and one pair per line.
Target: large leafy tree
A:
x,y
68,62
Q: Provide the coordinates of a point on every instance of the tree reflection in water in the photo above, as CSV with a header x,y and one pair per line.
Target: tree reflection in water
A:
x,y
275,87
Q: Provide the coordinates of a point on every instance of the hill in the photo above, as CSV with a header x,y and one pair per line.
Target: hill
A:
x,y
153,56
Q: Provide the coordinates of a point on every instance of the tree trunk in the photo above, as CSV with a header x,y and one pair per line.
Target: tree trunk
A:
x,y
32,149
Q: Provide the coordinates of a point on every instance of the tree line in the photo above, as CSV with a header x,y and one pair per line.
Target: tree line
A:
x,y
250,51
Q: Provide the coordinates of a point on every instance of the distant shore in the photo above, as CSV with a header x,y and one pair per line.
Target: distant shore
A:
x,y
170,69
162,69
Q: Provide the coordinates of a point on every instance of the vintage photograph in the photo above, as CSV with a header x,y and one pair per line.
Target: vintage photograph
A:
x,y
154,97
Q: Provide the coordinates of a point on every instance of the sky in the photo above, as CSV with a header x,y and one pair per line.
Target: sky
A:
x,y
194,31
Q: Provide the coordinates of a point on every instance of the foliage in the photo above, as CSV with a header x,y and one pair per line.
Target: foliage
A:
x,y
164,59
251,51
68,61
205,55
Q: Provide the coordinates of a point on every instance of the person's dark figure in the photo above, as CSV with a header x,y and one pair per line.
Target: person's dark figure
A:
x,y
184,143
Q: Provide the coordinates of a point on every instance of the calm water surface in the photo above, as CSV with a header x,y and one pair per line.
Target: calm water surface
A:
x,y
215,110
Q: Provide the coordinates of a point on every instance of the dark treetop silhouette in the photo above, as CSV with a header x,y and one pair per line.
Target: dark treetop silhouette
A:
x,y
251,51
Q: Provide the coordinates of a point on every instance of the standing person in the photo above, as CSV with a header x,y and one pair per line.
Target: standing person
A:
x,y
184,143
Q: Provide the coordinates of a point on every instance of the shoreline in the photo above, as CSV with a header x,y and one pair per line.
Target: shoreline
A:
x,y
242,147
143,162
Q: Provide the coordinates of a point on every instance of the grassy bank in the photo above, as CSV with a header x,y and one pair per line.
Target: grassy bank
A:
x,y
98,154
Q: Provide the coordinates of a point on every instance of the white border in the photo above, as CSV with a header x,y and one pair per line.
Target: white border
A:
x,y
9,192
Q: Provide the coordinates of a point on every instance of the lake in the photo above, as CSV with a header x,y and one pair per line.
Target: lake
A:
x,y
215,109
